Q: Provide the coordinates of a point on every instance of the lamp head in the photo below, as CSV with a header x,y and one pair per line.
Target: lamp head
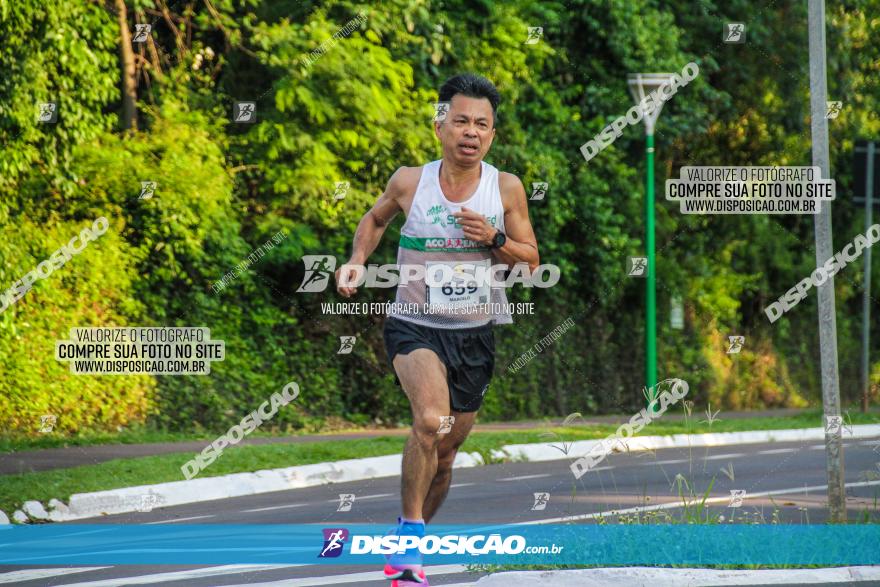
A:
x,y
641,85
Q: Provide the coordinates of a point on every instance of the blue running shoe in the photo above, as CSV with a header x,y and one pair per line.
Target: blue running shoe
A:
x,y
406,569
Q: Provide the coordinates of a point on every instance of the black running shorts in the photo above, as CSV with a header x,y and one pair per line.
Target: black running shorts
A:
x,y
468,353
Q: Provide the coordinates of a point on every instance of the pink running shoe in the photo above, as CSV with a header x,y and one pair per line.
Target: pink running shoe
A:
x,y
405,569
406,577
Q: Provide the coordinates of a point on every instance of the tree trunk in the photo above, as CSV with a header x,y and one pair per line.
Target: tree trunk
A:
x,y
128,119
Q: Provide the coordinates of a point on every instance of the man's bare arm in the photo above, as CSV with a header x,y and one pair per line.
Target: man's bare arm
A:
x,y
521,245
372,226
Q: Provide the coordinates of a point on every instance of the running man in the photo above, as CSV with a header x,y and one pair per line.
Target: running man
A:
x,y
462,212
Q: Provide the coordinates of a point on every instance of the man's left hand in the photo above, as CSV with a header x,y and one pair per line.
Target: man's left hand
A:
x,y
475,226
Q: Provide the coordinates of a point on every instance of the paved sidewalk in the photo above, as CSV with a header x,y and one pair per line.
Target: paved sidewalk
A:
x,y
74,456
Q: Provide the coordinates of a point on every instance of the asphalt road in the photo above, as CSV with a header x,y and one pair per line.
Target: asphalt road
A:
x,y
780,479
28,461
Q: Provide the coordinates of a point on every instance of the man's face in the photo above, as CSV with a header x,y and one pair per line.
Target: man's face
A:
x,y
468,130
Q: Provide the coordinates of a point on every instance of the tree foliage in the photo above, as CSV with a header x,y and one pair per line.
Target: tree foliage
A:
x,y
356,112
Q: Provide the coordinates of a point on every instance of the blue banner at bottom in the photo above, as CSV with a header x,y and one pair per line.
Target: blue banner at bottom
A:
x,y
572,544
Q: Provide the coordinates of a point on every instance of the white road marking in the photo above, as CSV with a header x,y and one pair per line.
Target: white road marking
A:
x,y
846,442
169,578
363,497
352,578
670,462
32,574
377,496
776,451
276,507
179,520
454,485
678,504
521,477
733,455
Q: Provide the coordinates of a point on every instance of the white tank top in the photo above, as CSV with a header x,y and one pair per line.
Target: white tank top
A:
x,y
430,235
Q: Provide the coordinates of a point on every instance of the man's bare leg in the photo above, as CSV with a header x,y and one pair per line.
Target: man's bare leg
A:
x,y
446,451
423,378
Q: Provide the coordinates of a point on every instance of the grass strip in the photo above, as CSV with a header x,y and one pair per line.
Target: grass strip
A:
x,y
62,483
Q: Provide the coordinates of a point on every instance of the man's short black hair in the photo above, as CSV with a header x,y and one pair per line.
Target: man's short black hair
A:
x,y
472,86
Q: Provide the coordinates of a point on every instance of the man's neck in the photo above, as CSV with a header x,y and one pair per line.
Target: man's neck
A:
x,y
455,175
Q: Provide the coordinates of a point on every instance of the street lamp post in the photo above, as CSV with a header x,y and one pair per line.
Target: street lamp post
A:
x,y
834,461
640,86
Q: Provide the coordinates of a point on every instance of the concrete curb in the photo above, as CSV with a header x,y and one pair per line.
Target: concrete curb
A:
x,y
640,576
145,497
548,451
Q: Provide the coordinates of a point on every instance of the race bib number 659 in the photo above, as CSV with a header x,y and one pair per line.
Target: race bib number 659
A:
x,y
463,289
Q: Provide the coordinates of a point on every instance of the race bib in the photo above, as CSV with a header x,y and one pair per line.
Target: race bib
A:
x,y
462,288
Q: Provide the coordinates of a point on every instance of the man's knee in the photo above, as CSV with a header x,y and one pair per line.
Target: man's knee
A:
x,y
426,430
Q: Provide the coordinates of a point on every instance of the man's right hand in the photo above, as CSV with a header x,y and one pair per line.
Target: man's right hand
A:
x,y
346,276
